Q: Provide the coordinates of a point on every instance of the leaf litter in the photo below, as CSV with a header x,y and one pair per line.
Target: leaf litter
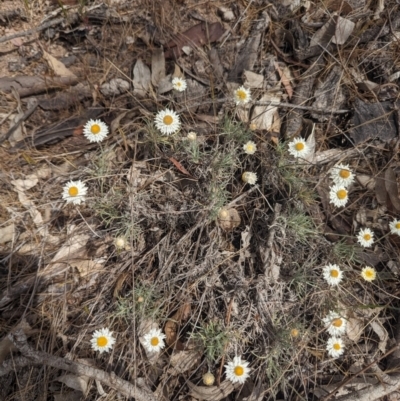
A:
x,y
201,247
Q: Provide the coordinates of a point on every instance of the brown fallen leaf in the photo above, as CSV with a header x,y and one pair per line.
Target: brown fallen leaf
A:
x,y
179,166
172,326
195,36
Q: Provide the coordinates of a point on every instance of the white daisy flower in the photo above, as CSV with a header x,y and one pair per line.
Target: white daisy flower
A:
x,y
179,84
242,95
342,175
395,227
74,192
365,237
299,148
335,324
102,340
249,178
208,379
237,371
167,121
335,347
332,274
154,340
338,195
191,136
368,273
95,130
250,148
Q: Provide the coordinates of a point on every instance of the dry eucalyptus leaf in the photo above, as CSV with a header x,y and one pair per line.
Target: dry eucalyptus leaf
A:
x,y
57,66
378,328
7,233
141,78
214,393
253,80
228,219
366,181
267,117
354,329
182,361
344,28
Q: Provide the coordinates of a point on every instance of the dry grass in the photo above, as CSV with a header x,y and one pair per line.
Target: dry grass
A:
x,y
180,269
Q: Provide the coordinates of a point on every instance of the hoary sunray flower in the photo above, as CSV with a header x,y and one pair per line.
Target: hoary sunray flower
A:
x,y
167,121
242,95
335,324
368,273
154,340
395,227
338,195
179,84
299,148
120,242
365,237
250,148
249,177
191,136
335,347
208,379
332,274
237,371
95,130
342,175
74,192
102,340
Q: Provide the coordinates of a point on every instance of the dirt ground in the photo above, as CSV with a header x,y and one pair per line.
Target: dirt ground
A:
x,y
263,249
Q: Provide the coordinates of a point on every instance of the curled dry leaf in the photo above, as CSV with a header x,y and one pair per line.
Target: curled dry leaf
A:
x,y
228,219
267,117
378,328
214,393
354,329
7,233
172,326
182,361
195,36
141,78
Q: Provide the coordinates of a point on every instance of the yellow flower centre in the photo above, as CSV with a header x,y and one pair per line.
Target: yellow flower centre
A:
x,y
250,148
334,273
397,226
367,237
370,273
238,370
341,194
73,191
102,341
95,129
168,120
294,332
299,146
154,341
337,322
178,84
241,94
336,346
344,173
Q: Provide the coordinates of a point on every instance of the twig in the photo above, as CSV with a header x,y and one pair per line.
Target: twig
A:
x,y
26,115
19,339
273,104
33,30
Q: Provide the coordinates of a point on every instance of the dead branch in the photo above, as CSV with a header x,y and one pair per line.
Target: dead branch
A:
x,y
32,357
33,30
